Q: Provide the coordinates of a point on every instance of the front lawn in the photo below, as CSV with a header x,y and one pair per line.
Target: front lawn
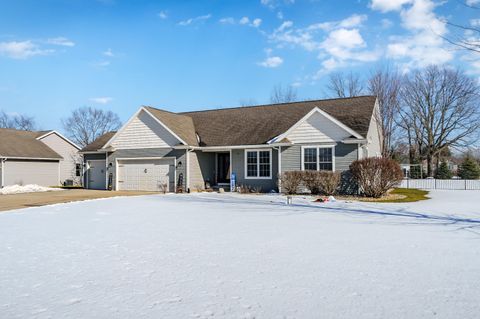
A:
x,y
242,256
407,195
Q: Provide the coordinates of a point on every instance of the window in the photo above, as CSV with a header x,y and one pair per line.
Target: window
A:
x,y
258,164
318,158
78,170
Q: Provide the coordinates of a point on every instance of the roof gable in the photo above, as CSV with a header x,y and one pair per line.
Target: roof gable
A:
x,y
143,131
317,126
24,144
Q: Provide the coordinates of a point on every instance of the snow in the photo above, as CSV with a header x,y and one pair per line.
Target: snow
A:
x,y
242,256
30,188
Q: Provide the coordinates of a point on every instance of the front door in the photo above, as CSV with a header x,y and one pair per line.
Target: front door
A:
x,y
223,168
96,174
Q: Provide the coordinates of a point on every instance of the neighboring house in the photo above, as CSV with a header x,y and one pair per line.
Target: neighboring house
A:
x,y
45,158
189,150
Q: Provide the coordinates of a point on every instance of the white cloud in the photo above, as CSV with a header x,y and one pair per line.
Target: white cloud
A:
x,y
280,15
272,4
109,53
101,100
195,20
388,5
22,49
423,44
244,20
472,2
163,15
228,20
475,22
337,43
62,41
256,22
271,62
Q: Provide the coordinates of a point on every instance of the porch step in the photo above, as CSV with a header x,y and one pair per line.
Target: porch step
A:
x,y
226,188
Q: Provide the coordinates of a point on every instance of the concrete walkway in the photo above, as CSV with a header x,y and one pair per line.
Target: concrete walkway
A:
x,y
9,202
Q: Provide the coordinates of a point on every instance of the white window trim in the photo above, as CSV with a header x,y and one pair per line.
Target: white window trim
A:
x,y
332,146
258,164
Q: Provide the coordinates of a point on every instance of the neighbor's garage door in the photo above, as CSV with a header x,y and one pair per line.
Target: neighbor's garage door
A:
x,y
145,175
44,173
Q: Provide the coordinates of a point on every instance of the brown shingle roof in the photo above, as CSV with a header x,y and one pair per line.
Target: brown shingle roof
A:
x,y
24,144
180,124
259,124
99,142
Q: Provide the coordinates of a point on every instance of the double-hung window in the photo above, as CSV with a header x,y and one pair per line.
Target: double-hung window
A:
x,y
318,158
258,164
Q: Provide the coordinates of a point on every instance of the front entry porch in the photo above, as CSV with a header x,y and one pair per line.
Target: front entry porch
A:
x,y
222,169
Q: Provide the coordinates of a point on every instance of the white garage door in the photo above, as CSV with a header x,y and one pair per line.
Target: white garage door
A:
x,y
145,175
31,172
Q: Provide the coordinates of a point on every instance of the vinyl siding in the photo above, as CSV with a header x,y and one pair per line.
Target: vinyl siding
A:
x,y
151,152
70,156
317,129
44,173
143,132
238,167
345,154
202,168
374,136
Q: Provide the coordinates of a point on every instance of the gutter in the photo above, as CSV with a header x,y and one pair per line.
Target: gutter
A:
x,y
233,147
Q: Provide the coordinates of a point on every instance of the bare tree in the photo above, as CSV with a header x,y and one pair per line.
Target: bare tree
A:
x,y
18,122
440,107
385,84
282,94
345,85
86,124
466,36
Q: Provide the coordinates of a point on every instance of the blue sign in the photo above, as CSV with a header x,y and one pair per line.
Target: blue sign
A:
x,y
233,181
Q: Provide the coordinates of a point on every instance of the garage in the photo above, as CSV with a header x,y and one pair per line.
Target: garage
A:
x,y
23,172
154,175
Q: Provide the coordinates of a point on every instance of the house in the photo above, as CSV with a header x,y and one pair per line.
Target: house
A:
x,y
45,158
186,151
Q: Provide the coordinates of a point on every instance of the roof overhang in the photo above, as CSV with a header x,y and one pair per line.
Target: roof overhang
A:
x,y
30,158
230,147
355,141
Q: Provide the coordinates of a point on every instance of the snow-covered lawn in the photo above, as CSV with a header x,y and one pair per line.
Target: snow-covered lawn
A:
x,y
242,256
30,188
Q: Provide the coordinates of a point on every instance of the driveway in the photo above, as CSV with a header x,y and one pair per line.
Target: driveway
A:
x,y
9,202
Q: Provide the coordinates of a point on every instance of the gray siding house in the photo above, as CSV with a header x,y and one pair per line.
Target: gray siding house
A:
x,y
44,158
157,149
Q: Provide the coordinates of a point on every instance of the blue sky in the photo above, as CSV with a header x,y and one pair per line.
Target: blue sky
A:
x,y
57,55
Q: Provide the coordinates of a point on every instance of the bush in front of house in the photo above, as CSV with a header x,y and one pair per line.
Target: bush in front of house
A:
x,y
311,180
469,169
443,172
328,182
376,175
290,181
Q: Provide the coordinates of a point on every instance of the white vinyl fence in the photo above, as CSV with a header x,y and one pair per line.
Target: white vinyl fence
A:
x,y
465,184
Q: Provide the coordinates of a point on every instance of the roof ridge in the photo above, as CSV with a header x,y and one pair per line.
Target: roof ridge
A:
x,y
162,110
273,104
